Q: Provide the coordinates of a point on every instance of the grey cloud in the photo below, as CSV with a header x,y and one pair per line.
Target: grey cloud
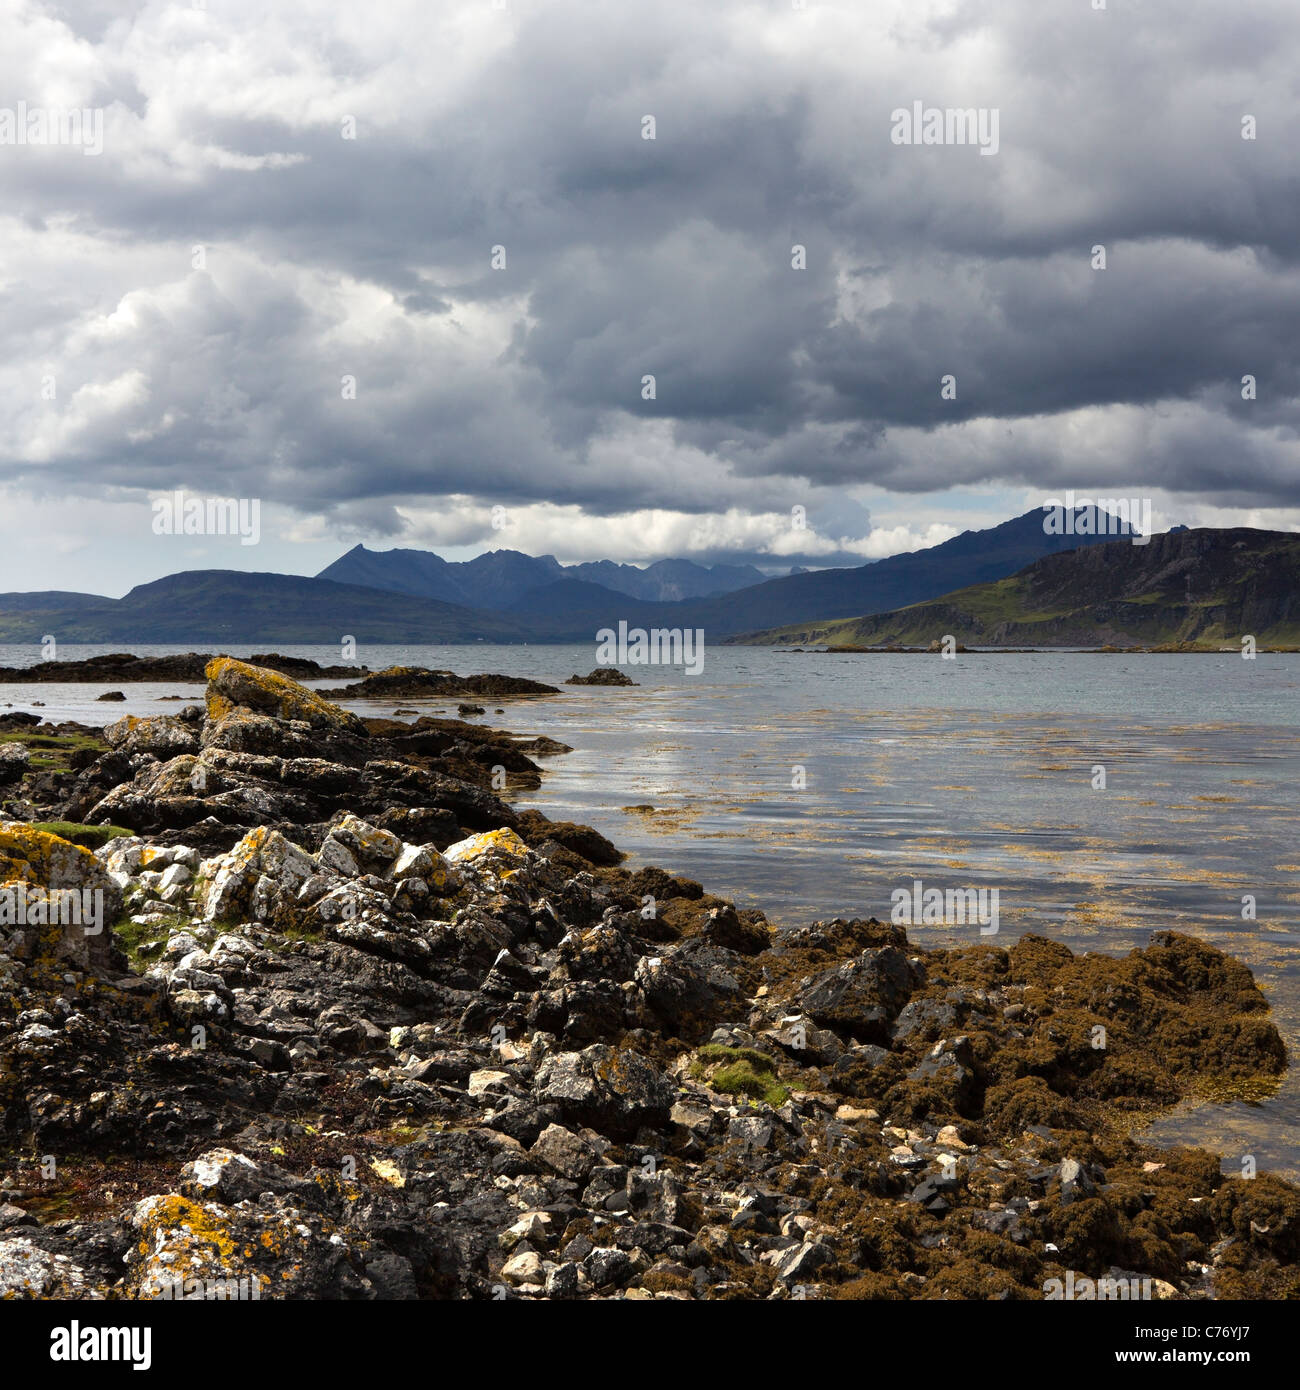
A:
x,y
672,257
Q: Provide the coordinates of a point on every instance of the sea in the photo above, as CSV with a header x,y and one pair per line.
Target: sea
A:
x,y
1105,796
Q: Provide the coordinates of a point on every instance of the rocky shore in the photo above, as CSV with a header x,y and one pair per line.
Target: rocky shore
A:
x,y
357,1028
190,666
415,682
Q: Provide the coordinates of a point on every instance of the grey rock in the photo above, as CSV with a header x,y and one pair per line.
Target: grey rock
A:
x,y
803,1261
613,1091
565,1153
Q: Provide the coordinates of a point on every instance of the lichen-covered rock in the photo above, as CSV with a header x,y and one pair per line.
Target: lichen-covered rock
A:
x,y
235,684
499,851
229,1177
424,863
259,878
372,847
29,1272
57,901
14,762
275,1249
244,731
160,796
165,736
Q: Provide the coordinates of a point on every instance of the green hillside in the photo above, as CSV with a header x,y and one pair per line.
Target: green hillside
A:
x,y
1202,588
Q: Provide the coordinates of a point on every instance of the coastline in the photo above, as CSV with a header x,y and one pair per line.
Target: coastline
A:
x,y
834,1111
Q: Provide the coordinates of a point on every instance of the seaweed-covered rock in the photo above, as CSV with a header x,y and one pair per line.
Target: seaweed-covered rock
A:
x,y
602,675
417,682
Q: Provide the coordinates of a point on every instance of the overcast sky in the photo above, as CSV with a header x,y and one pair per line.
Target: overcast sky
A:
x,y
132,363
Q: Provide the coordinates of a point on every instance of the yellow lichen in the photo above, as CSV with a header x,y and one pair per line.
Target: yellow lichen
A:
x,y
35,856
165,1215
236,684
389,1171
491,844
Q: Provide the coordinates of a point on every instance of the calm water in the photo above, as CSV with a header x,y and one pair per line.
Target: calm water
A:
x,y
813,785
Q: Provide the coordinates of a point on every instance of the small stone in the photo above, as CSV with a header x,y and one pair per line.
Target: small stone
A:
x,y
606,1266
562,1281
523,1268
565,1152
1075,1181
481,1082
949,1137
533,1226
803,1260
695,1117
752,1132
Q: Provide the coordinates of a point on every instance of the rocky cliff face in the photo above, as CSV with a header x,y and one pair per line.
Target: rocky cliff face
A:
x,y
365,1031
1178,587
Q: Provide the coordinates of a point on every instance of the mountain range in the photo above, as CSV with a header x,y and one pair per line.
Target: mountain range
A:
x,y
566,605
414,596
229,606
499,578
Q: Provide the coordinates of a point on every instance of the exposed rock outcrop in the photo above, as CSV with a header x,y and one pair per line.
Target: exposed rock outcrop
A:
x,y
126,666
236,685
367,1032
416,682
602,675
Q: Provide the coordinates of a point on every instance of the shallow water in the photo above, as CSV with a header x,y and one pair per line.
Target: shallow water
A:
x,y
973,772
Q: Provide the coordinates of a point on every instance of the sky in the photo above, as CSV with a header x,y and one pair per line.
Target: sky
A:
x,y
400,273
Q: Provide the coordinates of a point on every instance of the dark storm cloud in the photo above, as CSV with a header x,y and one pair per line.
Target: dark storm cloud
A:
x,y
330,258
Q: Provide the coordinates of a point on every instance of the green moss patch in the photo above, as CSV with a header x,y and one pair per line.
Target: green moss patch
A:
x,y
53,752
143,943
740,1071
90,837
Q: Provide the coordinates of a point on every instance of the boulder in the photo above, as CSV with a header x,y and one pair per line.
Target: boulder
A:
x,y
568,1154
260,877
275,1248
237,685
29,1272
376,849
862,996
500,851
612,1091
222,1175
163,735
244,731
57,899
14,762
